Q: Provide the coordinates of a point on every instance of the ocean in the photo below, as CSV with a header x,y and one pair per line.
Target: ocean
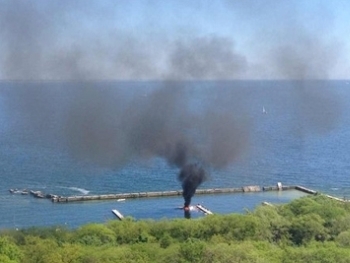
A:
x,y
78,138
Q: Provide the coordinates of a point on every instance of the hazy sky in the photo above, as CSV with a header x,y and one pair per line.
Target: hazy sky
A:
x,y
174,39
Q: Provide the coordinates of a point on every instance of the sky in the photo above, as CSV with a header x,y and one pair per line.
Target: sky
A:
x,y
174,39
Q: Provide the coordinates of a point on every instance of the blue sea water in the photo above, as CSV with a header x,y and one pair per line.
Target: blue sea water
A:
x,y
303,139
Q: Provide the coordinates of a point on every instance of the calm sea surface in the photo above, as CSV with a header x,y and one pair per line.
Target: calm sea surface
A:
x,y
302,139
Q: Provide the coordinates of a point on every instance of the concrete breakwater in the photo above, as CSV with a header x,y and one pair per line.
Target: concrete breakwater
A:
x,y
123,196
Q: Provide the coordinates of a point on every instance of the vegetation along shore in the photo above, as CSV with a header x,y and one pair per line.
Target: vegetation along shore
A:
x,y
309,229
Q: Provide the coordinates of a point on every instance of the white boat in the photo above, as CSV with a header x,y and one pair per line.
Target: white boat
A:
x,y
263,110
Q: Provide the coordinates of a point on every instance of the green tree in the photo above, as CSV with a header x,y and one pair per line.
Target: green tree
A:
x,y
9,252
94,234
305,228
240,227
165,241
343,239
339,225
71,253
129,231
272,226
37,250
192,251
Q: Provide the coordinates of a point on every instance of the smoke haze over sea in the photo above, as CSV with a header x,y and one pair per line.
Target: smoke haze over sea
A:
x,y
113,123
111,84
44,148
108,40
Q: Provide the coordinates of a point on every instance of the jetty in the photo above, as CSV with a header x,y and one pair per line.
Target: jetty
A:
x,y
305,190
121,197
125,196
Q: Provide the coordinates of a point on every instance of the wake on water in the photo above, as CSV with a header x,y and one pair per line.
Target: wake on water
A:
x,y
81,190
77,189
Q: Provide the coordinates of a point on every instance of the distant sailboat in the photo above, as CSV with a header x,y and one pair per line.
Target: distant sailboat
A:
x,y
263,110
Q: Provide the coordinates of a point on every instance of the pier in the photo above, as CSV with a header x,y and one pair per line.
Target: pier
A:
x,y
125,196
120,197
305,190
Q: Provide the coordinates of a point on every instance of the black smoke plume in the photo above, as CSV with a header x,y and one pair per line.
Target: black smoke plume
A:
x,y
99,122
187,213
113,124
191,176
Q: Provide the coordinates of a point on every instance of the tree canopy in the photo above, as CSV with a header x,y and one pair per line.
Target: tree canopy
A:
x,y
308,229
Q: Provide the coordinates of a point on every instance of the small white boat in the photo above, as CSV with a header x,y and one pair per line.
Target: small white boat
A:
x,y
264,110
14,191
121,200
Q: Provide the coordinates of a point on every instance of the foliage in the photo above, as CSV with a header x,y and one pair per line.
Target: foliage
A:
x,y
94,235
309,229
192,250
9,252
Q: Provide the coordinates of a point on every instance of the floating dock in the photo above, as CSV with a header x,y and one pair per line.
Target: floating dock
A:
x,y
118,214
206,211
305,190
267,203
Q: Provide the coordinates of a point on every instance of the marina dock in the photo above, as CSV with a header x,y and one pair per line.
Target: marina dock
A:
x,y
118,214
206,211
